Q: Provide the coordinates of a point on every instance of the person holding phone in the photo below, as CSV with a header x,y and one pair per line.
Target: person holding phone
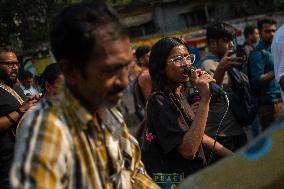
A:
x,y
217,62
13,104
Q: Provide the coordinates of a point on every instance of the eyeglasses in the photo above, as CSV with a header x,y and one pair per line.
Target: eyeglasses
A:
x,y
9,64
183,60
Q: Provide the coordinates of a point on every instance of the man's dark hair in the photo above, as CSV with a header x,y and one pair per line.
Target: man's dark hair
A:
x,y
73,33
158,58
5,49
141,51
26,74
220,31
50,73
261,22
249,30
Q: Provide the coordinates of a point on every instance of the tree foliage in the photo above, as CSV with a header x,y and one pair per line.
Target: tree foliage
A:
x,y
25,23
119,2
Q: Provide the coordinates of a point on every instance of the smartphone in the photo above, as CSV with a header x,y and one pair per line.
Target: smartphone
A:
x,y
239,52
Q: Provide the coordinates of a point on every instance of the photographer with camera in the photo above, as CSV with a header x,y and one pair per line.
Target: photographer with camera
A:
x,y
217,62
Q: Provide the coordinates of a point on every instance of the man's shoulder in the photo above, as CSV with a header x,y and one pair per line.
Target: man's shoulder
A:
x,y
209,65
42,114
208,58
209,61
159,100
247,47
256,53
6,96
260,52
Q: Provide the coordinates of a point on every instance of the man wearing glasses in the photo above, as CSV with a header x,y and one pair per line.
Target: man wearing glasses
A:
x,y
12,107
261,67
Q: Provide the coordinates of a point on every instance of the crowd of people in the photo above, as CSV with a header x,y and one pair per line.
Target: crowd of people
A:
x,y
68,132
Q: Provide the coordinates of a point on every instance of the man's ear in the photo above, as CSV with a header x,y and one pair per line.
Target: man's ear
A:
x,y
71,74
46,86
140,60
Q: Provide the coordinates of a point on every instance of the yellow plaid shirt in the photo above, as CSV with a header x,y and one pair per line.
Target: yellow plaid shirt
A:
x,y
60,146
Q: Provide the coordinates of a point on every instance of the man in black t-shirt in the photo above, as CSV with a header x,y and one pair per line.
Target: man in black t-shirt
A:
x,y
12,107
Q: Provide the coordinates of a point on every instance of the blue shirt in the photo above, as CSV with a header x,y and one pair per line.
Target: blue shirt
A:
x,y
261,62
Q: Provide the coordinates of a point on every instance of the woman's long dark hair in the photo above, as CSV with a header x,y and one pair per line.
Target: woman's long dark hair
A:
x,y
158,57
157,63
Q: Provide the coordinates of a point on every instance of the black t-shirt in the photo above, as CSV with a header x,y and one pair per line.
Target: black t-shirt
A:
x,y
8,104
166,126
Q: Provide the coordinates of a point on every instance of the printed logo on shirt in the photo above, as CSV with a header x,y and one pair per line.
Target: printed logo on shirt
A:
x,y
168,180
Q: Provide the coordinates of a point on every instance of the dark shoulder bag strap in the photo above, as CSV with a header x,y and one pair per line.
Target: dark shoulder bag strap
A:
x,y
143,127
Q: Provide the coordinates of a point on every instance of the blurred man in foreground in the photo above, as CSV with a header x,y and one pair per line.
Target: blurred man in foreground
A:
x,y
80,140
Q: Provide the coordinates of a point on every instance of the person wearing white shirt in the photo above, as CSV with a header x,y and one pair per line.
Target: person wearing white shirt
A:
x,y
277,49
27,82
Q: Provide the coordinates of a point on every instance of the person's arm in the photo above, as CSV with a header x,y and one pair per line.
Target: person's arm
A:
x,y
218,149
266,77
225,64
40,160
256,64
8,120
218,71
145,84
219,75
193,137
12,118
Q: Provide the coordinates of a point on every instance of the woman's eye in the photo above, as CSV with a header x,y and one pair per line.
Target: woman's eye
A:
x,y
179,59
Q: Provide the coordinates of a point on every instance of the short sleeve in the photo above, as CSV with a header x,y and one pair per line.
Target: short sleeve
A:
x,y
167,122
256,67
209,66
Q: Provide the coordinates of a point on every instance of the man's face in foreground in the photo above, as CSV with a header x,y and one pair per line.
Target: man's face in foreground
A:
x,y
106,73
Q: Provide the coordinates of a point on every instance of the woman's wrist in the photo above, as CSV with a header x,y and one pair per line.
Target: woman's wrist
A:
x,y
205,100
